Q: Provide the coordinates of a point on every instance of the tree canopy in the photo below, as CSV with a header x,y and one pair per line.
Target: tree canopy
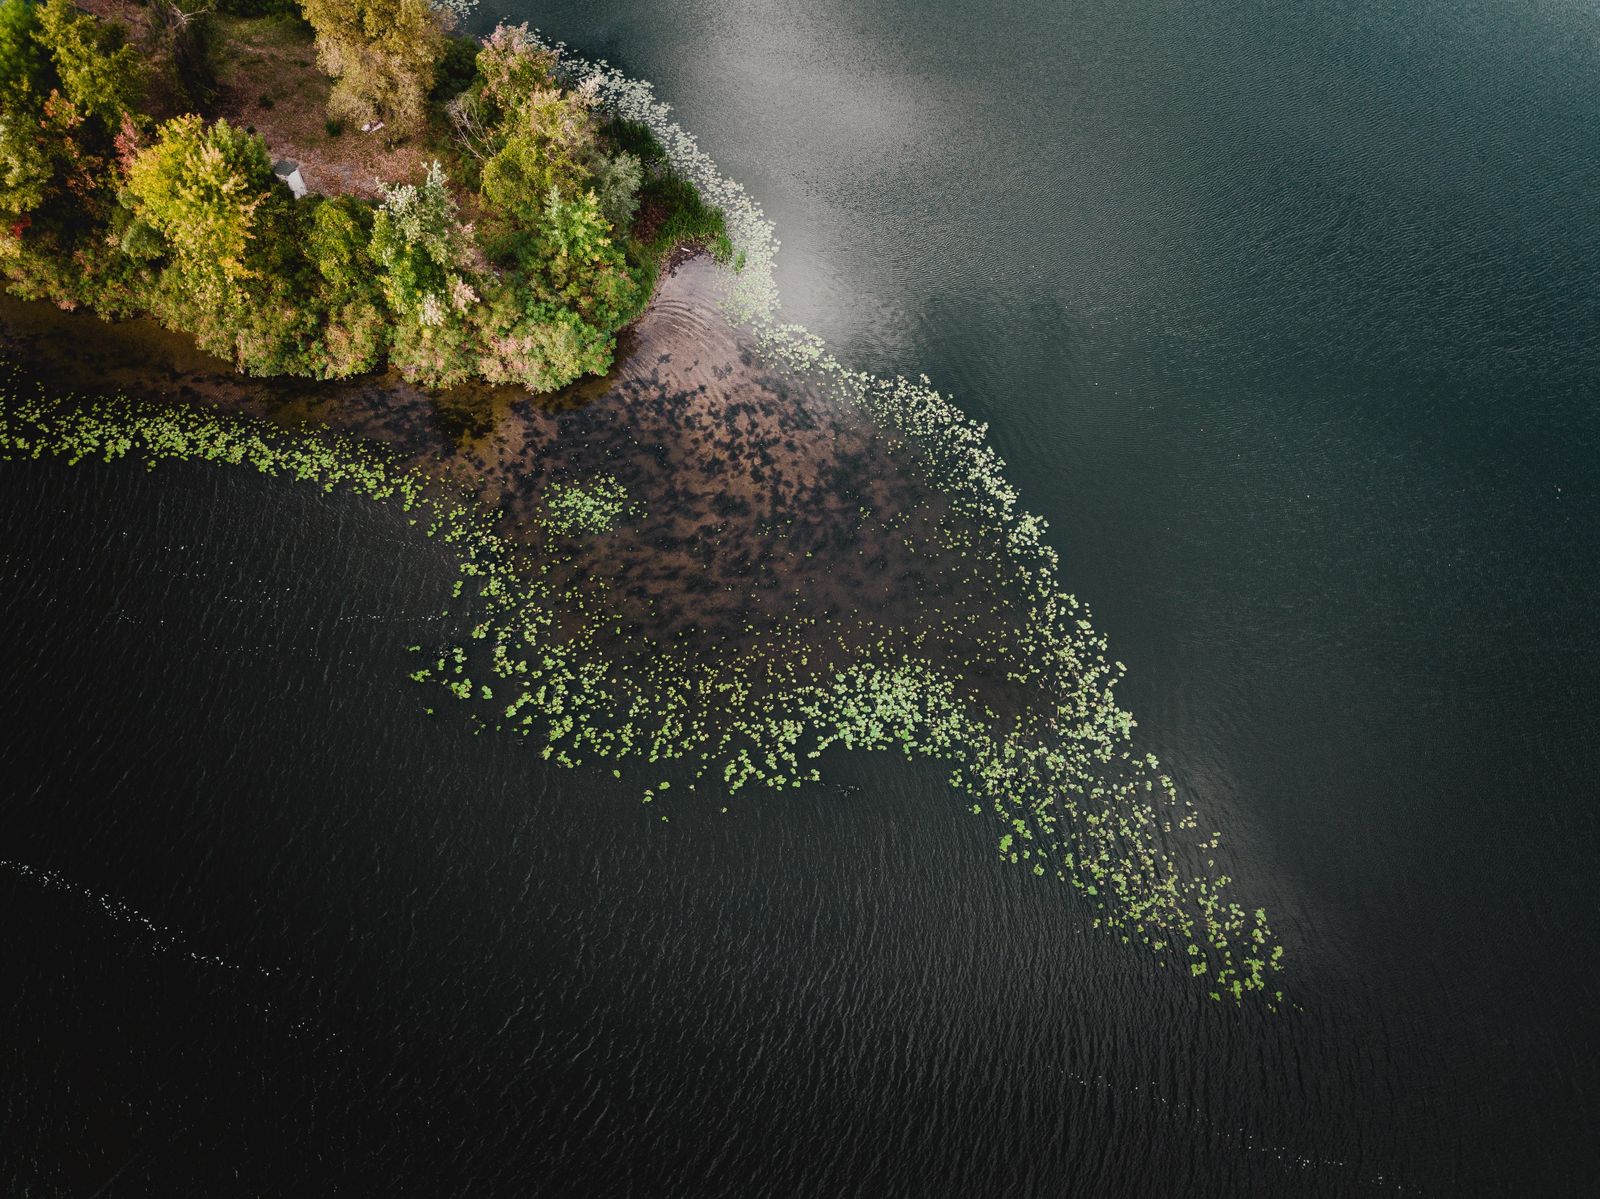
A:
x,y
185,219
381,54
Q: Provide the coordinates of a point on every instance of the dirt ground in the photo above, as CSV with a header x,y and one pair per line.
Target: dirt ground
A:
x,y
269,82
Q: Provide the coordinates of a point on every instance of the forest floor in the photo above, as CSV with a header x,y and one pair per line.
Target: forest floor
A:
x,y
269,82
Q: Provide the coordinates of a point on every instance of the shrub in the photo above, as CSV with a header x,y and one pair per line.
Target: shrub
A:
x,y
683,217
635,137
441,354
352,339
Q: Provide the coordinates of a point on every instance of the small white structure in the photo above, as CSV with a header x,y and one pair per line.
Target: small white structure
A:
x,y
289,171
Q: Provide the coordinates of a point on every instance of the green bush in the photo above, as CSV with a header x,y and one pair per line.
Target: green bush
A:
x,y
543,349
685,218
635,137
573,262
355,319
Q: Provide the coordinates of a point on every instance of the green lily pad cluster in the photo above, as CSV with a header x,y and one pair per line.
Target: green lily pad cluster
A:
x,y
1073,797
587,506
1061,772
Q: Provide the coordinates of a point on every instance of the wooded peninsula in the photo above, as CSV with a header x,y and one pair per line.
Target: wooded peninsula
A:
x,y
321,187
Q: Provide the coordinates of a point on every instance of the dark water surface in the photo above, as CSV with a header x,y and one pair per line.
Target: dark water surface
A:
x,y
1288,319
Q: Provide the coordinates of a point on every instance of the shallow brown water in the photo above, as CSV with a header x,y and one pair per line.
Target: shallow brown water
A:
x,y
763,505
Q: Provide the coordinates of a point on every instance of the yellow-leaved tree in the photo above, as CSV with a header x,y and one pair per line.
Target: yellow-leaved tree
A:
x,y
382,55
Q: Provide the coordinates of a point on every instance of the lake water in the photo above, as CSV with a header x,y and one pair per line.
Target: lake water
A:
x,y
1288,319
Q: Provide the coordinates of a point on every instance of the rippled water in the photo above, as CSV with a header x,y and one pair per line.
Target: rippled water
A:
x,y
1287,319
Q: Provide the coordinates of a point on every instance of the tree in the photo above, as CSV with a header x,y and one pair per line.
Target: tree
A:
x,y
230,239
544,144
67,84
571,260
382,56
25,72
616,185
544,348
553,322
207,191
27,168
355,320
422,253
99,72
512,66
418,243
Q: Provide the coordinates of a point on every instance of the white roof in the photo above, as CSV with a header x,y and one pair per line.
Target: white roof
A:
x,y
289,171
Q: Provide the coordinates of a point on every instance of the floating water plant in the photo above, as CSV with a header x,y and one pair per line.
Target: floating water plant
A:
x,y
1059,773
589,506
1062,773
1014,692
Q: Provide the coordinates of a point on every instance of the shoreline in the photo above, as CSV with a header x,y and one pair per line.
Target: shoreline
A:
x,y
763,503
848,545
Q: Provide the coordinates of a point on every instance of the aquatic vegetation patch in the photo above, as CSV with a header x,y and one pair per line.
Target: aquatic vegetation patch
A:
x,y
1073,798
1061,772
589,506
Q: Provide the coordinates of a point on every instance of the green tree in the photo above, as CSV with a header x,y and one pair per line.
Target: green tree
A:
x,y
228,243
355,320
382,55
419,246
67,82
542,347
25,71
616,186
208,190
553,322
511,67
27,168
99,72
572,261
544,145
423,254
